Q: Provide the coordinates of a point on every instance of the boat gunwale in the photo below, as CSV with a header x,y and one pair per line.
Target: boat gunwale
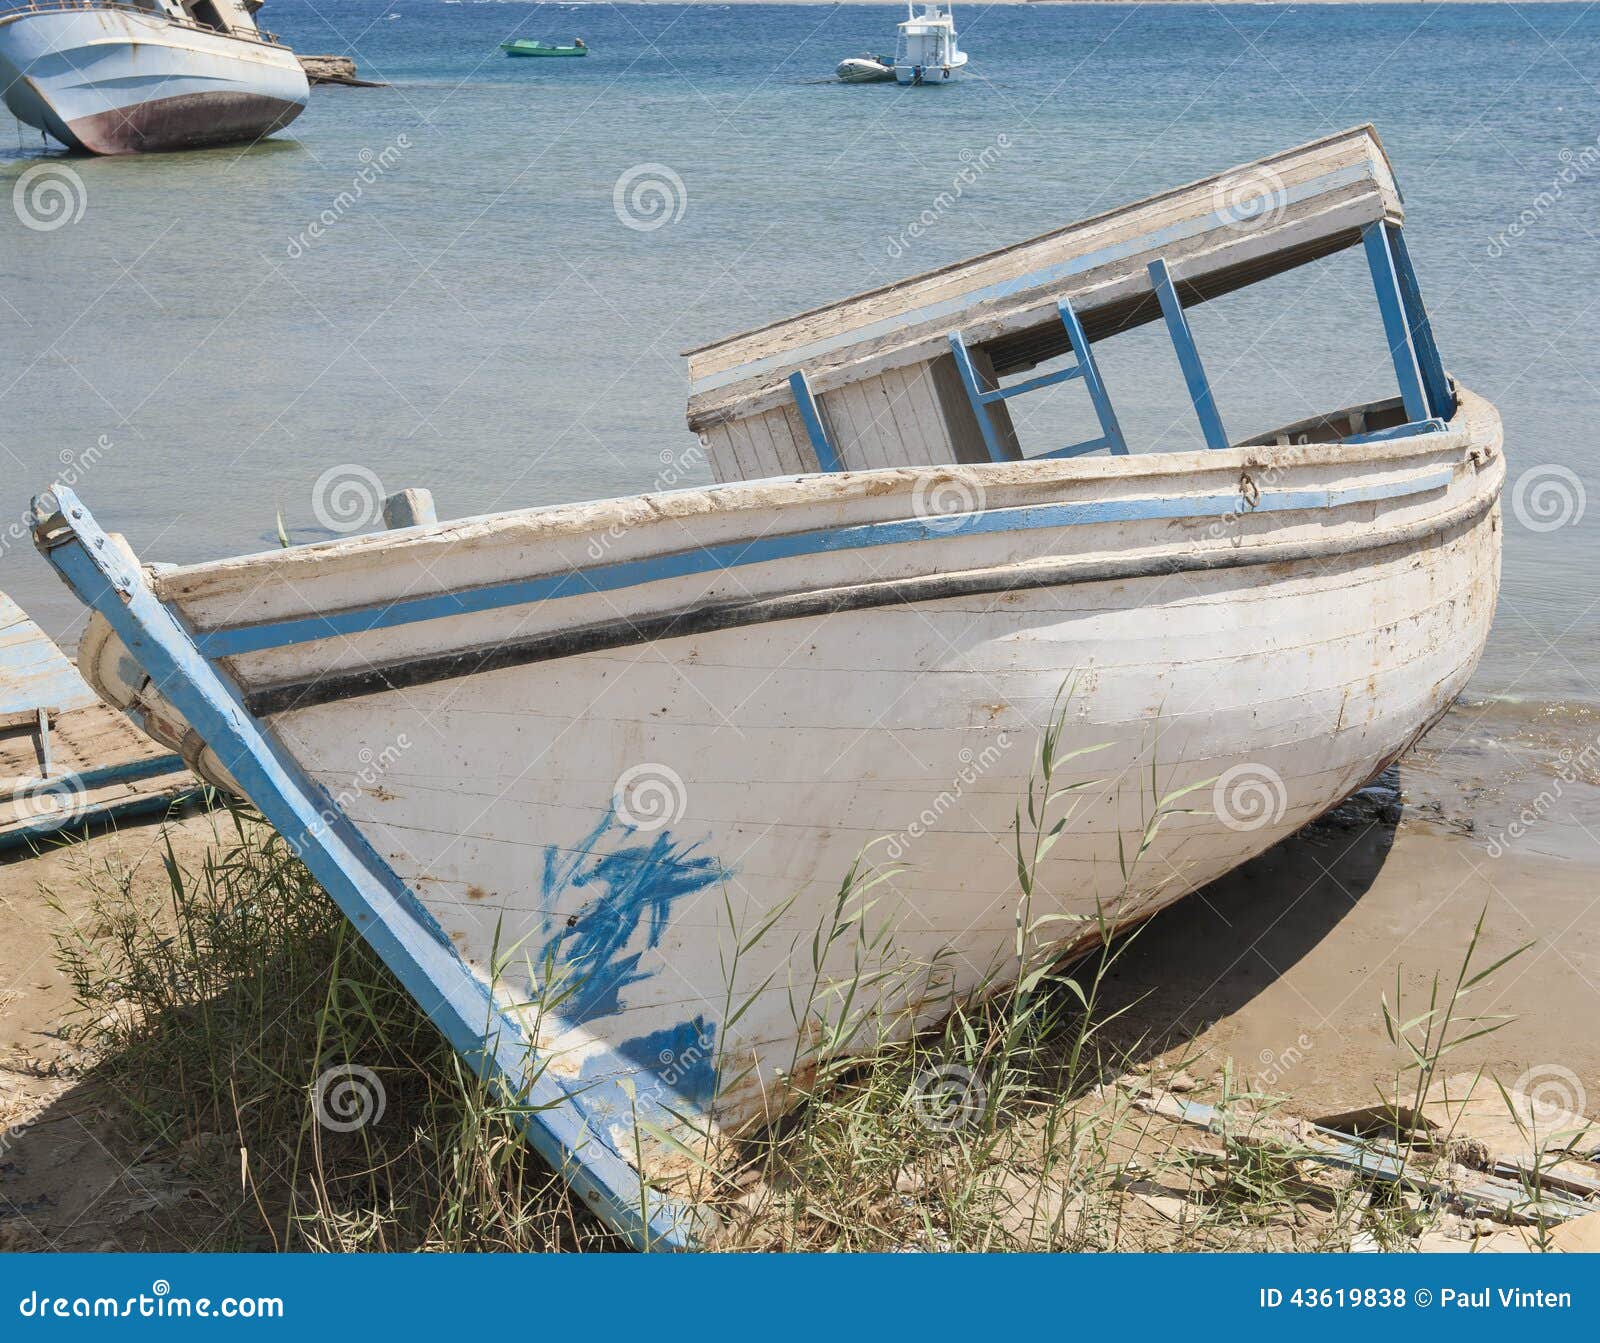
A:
x,y
702,618
1475,419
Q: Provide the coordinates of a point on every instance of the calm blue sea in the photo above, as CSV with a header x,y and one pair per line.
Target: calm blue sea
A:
x,y
218,329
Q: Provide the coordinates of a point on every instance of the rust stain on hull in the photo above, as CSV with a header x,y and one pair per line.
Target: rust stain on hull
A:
x,y
190,121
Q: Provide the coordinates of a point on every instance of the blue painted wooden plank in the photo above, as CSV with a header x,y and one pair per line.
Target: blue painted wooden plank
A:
x,y
34,673
1441,401
811,417
1092,380
376,901
229,642
976,392
37,834
1397,330
1194,372
1083,449
952,308
1034,384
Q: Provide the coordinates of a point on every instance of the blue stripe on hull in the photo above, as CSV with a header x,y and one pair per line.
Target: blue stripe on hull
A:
x,y
735,554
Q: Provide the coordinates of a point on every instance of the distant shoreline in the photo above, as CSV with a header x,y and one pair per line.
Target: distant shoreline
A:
x,y
1127,4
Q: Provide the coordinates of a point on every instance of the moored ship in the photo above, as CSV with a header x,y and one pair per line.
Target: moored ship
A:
x,y
133,76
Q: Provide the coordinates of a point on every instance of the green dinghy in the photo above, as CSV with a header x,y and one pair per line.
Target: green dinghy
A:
x,y
523,46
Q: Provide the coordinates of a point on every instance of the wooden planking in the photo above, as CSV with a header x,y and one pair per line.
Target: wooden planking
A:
x,y
893,420
1314,199
821,764
1393,492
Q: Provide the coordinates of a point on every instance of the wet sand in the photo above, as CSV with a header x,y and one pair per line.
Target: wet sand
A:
x,y
1278,968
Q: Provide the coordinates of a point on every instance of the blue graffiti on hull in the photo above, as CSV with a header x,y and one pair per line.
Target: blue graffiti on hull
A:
x,y
628,880
629,883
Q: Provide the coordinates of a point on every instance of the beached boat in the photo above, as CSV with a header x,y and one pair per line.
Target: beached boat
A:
x,y
125,76
68,761
589,776
927,51
865,70
523,46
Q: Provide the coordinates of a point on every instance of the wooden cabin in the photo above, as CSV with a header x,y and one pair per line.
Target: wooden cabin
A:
x,y
918,372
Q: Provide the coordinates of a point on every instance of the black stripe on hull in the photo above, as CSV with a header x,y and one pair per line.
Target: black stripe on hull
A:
x,y
626,632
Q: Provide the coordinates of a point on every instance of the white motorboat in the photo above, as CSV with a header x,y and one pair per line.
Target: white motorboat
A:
x,y
927,51
130,76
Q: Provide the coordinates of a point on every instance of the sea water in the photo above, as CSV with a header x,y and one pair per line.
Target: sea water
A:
x,y
479,279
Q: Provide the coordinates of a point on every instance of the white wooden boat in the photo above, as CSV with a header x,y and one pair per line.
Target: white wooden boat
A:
x,y
584,749
927,50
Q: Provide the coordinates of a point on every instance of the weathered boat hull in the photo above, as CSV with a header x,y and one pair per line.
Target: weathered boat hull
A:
x,y
572,756
113,81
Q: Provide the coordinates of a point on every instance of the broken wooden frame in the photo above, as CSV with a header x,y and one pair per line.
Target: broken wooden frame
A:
x,y
914,373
